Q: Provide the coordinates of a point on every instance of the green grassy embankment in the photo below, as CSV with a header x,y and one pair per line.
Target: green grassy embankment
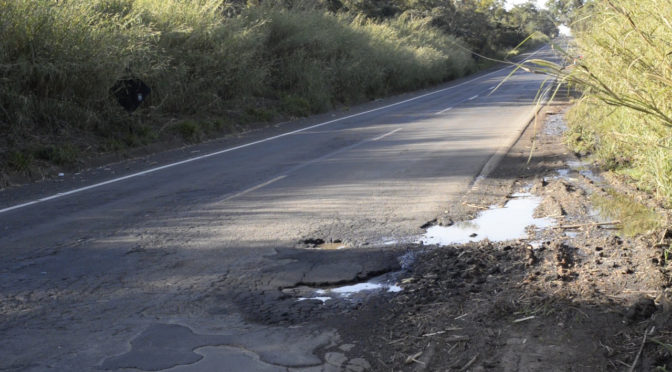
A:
x,y
625,116
210,74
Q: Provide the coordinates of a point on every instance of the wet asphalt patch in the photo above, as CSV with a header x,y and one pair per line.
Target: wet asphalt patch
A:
x,y
163,346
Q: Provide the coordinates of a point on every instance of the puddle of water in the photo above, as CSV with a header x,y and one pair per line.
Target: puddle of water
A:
x,y
583,168
323,299
571,234
555,125
394,289
635,217
536,244
590,175
496,224
349,290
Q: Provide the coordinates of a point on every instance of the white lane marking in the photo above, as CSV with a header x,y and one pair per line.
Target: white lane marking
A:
x,y
478,95
459,103
254,188
310,162
385,135
445,110
152,170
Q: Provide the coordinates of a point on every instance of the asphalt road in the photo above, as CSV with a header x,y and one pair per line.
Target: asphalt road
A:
x,y
139,264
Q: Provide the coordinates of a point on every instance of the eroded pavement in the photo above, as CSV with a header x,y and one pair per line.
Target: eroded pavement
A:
x,y
556,298
131,315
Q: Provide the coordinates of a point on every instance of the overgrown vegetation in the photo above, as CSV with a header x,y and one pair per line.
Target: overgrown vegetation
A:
x,y
635,218
625,70
216,65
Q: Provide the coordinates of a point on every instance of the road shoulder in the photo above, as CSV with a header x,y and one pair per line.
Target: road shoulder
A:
x,y
580,296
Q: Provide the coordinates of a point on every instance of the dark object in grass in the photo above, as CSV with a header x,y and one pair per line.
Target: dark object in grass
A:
x,y
130,93
640,310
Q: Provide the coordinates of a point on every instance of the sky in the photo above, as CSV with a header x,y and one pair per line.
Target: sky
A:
x,y
540,3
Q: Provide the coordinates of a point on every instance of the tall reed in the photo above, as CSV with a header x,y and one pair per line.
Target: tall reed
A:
x,y
624,66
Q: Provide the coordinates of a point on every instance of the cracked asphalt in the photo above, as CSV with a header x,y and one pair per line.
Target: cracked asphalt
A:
x,y
192,266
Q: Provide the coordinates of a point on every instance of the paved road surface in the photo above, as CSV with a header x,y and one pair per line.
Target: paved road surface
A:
x,y
181,268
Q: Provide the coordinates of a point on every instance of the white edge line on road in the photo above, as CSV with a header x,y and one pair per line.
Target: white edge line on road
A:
x,y
152,170
472,98
445,110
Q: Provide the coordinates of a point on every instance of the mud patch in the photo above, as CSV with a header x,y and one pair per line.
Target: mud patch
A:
x,y
579,297
504,307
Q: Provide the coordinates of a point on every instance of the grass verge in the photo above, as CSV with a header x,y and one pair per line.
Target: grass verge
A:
x,y
59,60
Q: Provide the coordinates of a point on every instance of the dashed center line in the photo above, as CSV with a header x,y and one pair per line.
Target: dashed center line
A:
x,y
216,153
310,162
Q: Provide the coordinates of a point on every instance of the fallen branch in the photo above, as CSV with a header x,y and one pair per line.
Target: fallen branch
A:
x,y
433,334
524,319
476,206
578,226
413,358
469,363
441,332
639,353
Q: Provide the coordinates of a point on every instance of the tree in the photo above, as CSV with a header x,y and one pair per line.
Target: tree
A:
x,y
563,10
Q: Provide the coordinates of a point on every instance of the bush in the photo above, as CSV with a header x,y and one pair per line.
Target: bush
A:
x,y
59,60
626,70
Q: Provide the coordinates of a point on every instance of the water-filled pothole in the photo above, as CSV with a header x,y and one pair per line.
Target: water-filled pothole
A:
x,y
351,292
495,224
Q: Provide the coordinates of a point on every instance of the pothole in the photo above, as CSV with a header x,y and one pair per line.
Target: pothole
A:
x,y
495,224
354,292
318,243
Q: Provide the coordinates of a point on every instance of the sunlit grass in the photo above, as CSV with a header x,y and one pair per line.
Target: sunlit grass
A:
x,y
623,64
58,61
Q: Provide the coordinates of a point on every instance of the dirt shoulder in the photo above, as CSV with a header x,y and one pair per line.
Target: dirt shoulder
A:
x,y
580,296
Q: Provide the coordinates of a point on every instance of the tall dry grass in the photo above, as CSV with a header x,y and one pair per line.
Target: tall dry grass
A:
x,y
208,71
624,67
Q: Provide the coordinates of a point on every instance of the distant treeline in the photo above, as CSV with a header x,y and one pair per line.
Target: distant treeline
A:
x,y
217,66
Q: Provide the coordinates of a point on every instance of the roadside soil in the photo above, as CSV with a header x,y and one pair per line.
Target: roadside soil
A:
x,y
577,297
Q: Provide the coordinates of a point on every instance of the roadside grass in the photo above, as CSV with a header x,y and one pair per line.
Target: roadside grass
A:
x,y
58,61
623,65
